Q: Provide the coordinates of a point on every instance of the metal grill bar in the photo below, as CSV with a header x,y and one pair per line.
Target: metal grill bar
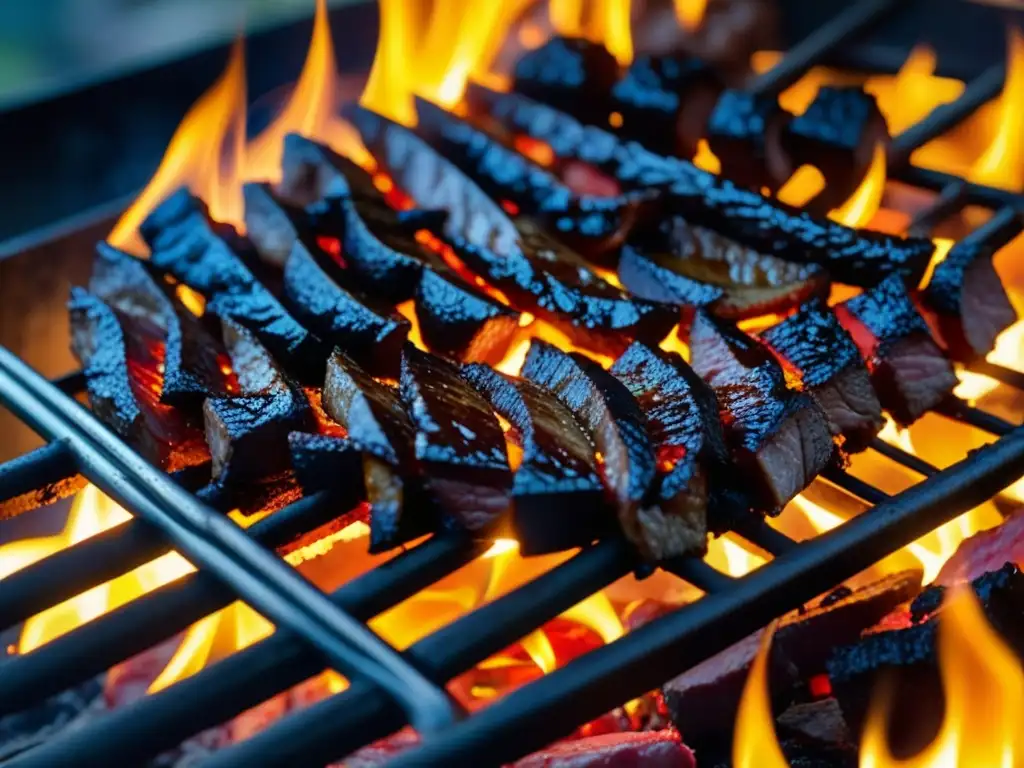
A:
x,y
950,200
71,383
1000,373
976,194
761,534
955,408
854,486
259,577
908,460
46,465
538,713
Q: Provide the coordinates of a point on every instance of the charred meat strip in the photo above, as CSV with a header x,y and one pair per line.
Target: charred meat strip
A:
x,y
908,370
617,428
815,345
327,463
745,131
185,245
591,224
311,171
696,267
535,272
377,426
966,302
268,225
248,434
781,437
123,384
664,102
651,749
192,359
694,467
986,551
557,493
459,444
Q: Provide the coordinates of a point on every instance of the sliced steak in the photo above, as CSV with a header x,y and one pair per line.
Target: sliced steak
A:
x,y
778,435
908,370
814,344
459,443
617,428
986,551
651,749
695,470
557,493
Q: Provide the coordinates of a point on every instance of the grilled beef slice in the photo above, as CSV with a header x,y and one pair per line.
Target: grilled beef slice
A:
x,y
651,749
184,244
779,436
693,462
311,171
694,267
192,359
459,444
966,303
534,271
745,131
123,384
377,426
908,370
986,551
557,493
815,345
617,428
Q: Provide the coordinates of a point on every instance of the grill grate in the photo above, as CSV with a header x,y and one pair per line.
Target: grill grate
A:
x,y
390,689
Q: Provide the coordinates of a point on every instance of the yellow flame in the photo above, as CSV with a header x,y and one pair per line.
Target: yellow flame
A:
x,y
606,22
690,13
1002,164
806,182
728,555
983,686
538,647
867,198
909,95
755,744
705,159
597,613
205,154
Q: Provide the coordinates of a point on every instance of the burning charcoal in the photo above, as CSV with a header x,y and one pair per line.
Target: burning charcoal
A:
x,y
837,134
779,436
595,226
123,384
268,225
664,102
986,551
534,271
311,171
248,435
696,267
378,427
817,721
652,749
459,443
184,245
557,494
371,334
571,72
617,428
966,301
745,131
693,461
908,370
192,360
812,342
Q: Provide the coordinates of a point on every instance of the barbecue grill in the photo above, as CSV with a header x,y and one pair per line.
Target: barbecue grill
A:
x,y
316,630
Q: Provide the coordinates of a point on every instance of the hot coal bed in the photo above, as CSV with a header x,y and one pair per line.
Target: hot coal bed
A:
x,y
456,405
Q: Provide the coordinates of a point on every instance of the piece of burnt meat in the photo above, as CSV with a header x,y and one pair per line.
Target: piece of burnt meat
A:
x,y
123,383
311,171
965,300
557,493
570,72
248,434
779,436
534,271
651,749
459,444
695,489
694,267
988,550
838,134
184,244
372,334
745,131
192,359
377,426
617,428
595,226
664,102
268,225
815,345
908,370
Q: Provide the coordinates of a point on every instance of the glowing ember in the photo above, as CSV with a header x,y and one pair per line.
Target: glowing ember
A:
x,y
706,159
800,188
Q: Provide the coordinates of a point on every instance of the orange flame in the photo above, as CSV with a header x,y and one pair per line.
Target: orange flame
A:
x,y
1002,164
806,182
606,22
705,159
864,203
205,154
691,13
908,96
755,744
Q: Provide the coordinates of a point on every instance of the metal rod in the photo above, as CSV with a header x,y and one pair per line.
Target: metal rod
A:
x,y
550,707
854,486
949,200
843,27
908,460
699,573
1000,373
944,117
215,543
46,465
71,383
334,727
974,194
959,410
758,532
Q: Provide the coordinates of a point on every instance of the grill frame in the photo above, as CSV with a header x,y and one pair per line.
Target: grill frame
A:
x,y
527,718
